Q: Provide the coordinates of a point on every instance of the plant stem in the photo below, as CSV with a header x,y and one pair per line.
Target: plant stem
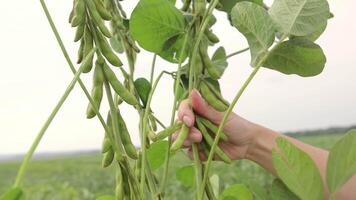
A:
x,y
173,113
229,110
153,68
54,112
237,52
70,63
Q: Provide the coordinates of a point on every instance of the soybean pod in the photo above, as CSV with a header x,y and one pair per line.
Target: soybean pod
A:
x,y
97,91
79,33
97,18
88,46
119,87
81,51
108,158
79,13
212,127
103,12
107,51
183,134
125,138
216,92
209,65
210,142
211,98
167,132
211,36
106,146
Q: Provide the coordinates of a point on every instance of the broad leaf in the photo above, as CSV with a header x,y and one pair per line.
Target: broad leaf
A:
x,y
186,175
255,24
342,161
236,192
227,5
156,154
299,17
173,48
13,194
143,88
153,22
219,60
315,35
106,197
279,191
215,184
297,170
297,56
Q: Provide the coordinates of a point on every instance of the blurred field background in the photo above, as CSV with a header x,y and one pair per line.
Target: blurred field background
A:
x,y
81,176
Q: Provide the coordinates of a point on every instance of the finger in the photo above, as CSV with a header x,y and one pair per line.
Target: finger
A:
x,y
195,135
185,113
202,108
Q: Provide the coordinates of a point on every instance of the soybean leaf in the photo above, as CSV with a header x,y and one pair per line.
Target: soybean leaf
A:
x,y
297,170
143,87
153,22
116,44
172,48
299,17
227,5
13,194
215,184
219,60
106,197
156,154
279,191
255,24
186,175
236,192
315,35
297,56
342,161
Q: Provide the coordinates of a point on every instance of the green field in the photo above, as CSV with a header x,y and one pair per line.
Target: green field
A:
x,y
81,177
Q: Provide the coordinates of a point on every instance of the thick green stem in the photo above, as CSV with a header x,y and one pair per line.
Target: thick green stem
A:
x,y
227,113
70,63
54,112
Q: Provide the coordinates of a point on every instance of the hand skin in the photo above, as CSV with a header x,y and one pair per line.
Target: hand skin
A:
x,y
249,141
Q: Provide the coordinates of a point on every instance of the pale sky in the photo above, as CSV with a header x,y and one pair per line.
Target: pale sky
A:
x,y
34,75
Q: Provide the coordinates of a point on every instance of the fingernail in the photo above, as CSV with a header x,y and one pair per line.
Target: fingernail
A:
x,y
197,91
187,121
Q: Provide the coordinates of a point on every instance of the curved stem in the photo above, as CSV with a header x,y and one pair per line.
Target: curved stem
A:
x,y
70,63
237,52
54,112
153,68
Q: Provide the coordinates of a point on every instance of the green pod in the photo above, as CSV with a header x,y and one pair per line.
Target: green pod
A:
x,y
183,134
107,52
138,165
79,13
118,155
151,134
118,100
118,87
97,18
186,5
167,132
211,36
108,158
199,6
97,91
106,146
119,190
153,122
125,138
209,65
81,51
210,142
216,92
88,46
103,12
212,99
132,44
71,15
79,33
212,127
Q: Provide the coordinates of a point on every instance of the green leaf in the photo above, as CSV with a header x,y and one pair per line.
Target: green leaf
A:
x,y
215,183
279,191
219,60
13,194
236,192
315,35
342,161
255,24
297,56
106,197
143,87
153,22
172,49
116,44
297,170
299,17
227,5
156,154
186,175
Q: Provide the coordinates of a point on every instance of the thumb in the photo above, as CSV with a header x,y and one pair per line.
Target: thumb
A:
x,y
201,107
